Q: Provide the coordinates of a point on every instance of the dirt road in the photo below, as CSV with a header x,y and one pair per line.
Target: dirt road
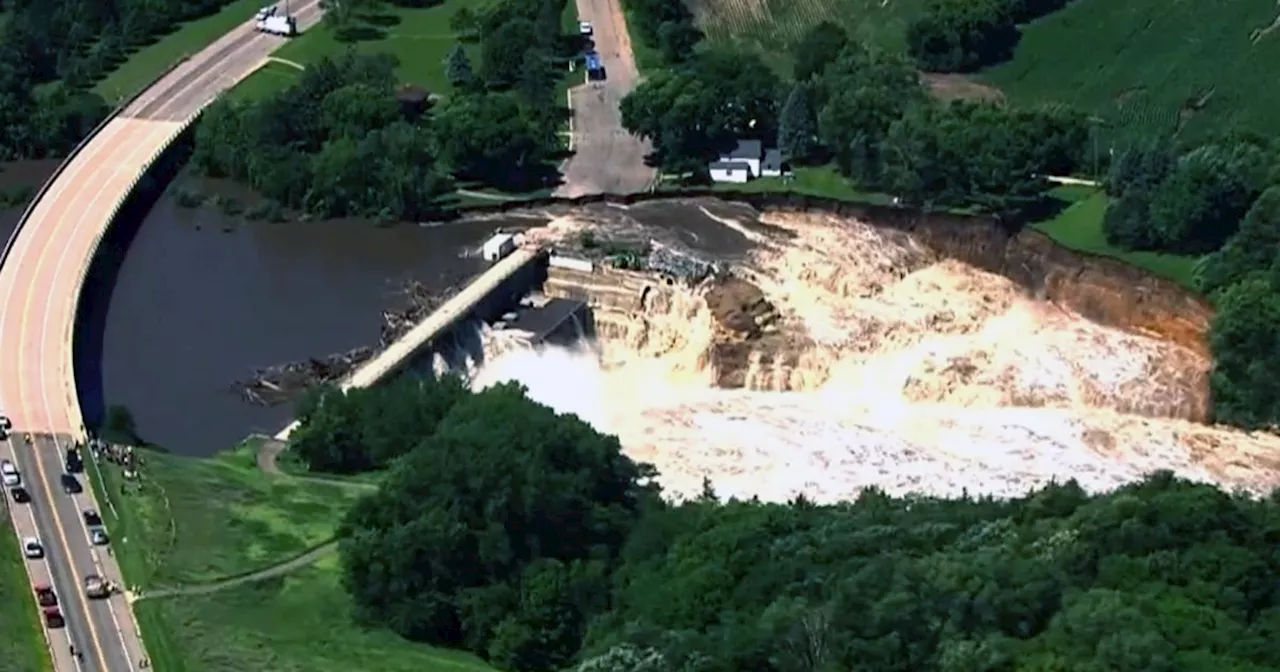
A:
x,y
607,159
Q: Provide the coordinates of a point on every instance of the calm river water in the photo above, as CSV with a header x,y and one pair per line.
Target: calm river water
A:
x,y
201,300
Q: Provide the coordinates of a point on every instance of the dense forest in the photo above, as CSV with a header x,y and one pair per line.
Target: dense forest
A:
x,y
349,139
535,543
52,51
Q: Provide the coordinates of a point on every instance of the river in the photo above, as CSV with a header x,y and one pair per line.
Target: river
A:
x,y
201,299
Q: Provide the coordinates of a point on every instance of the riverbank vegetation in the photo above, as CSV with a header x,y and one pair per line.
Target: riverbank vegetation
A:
x,y
534,543
22,648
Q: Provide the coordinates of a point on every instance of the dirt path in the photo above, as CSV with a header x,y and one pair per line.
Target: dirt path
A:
x,y
268,459
606,158
266,573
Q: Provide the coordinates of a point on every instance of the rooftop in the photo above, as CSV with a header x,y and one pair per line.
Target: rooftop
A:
x,y
746,149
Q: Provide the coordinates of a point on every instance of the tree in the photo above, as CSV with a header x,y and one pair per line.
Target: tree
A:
x,y
465,24
820,46
1200,204
798,125
458,67
962,35
1245,340
694,113
1253,248
495,138
478,504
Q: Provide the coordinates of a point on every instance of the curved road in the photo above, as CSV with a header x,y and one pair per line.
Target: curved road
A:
x,y
40,284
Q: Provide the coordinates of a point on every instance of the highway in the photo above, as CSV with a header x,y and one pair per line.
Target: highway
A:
x,y
40,284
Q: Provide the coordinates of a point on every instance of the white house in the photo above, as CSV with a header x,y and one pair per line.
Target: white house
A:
x,y
747,161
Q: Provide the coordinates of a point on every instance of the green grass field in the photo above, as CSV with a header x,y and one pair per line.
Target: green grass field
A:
x,y
196,521
22,645
204,520
266,80
296,623
419,38
1149,63
1079,227
147,63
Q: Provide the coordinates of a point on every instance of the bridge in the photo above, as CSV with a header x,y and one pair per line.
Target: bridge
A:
x,y
42,274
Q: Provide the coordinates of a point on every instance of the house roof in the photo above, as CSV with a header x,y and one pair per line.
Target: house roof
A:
x,y
772,160
729,165
746,149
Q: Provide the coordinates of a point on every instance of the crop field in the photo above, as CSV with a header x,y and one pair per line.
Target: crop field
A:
x,y
1153,64
771,26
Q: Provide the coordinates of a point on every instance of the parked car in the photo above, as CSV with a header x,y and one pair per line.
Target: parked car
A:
x,y
9,472
5,423
45,595
71,485
91,518
53,617
20,495
98,536
73,462
32,548
585,29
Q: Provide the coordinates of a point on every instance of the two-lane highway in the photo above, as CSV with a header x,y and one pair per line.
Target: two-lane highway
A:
x,y
40,284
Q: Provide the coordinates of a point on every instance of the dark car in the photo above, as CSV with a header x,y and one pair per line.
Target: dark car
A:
x,y
71,485
92,519
73,462
45,596
53,618
20,495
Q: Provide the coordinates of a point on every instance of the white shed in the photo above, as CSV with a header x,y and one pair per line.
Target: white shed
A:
x,y
499,246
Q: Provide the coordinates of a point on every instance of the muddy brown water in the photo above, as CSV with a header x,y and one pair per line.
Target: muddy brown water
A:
x,y
201,299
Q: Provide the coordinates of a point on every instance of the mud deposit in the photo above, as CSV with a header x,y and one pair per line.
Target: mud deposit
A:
x,y
843,354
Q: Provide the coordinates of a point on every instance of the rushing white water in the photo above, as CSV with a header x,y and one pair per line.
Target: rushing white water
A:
x,y
898,371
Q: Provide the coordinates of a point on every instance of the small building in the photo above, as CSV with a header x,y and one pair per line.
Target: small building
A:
x,y
499,246
748,160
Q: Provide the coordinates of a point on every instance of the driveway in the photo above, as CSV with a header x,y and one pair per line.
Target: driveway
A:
x,y
607,159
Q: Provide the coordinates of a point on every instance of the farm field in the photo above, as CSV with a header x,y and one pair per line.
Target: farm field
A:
x,y
1151,63
1079,227
771,26
22,648
203,522
149,62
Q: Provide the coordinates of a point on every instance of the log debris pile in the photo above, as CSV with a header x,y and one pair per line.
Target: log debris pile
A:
x,y
281,383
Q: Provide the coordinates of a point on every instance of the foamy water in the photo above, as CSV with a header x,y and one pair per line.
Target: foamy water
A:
x,y
907,372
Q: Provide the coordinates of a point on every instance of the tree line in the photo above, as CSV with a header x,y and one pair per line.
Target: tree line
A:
x,y
668,25
1219,201
867,111
53,51
347,139
530,539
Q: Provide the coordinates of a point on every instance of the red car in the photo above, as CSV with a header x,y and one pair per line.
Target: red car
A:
x,y
53,617
45,596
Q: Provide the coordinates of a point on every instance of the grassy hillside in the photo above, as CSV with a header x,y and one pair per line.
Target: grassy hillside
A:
x,y
1153,63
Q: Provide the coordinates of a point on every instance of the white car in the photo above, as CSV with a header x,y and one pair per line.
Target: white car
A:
x,y
32,549
10,474
585,29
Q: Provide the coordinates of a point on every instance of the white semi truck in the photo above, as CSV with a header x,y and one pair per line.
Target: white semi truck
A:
x,y
278,24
